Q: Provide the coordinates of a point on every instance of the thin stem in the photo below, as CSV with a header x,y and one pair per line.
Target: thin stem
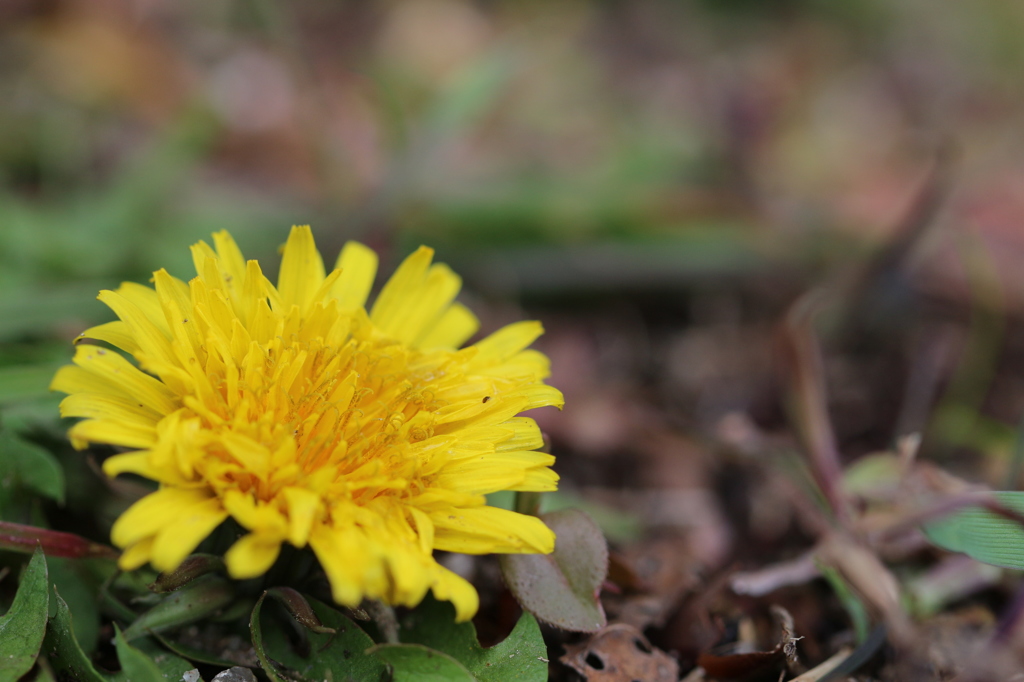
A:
x,y
527,503
1016,459
384,617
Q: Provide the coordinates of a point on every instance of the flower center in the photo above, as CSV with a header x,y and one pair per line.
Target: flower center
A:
x,y
336,419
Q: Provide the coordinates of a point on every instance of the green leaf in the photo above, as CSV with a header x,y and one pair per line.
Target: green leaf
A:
x,y
40,673
197,600
62,649
23,627
79,588
850,600
188,652
522,656
172,668
320,656
417,663
299,609
135,665
563,588
256,628
143,663
24,465
983,535
191,568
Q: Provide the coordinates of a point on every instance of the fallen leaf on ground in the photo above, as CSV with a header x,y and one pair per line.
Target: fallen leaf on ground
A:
x,y
620,653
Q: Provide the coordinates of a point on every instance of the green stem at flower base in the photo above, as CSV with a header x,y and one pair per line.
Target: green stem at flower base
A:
x,y
384,618
527,503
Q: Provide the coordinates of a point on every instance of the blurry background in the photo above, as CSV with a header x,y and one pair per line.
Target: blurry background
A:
x,y
657,181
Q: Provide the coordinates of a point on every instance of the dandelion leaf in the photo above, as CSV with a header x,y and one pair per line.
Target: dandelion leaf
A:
x,y
63,651
26,470
563,588
417,663
197,600
23,627
145,662
78,587
137,666
522,656
314,656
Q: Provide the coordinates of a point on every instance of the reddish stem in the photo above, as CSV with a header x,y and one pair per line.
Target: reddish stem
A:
x,y
20,538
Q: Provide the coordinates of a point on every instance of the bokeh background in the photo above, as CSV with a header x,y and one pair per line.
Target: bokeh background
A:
x,y
696,164
658,181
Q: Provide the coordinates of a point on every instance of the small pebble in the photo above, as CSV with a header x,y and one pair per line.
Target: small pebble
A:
x,y
236,674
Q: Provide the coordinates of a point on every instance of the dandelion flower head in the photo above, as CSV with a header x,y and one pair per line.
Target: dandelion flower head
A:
x,y
366,434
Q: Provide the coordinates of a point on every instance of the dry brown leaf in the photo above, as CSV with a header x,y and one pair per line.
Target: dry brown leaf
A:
x,y
755,664
760,582
620,653
654,575
871,578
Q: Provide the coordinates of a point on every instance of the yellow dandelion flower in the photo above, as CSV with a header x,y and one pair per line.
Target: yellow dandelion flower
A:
x,y
368,436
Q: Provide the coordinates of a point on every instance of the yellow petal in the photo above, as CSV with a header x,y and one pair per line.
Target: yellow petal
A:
x,y
201,252
302,509
173,287
488,529
480,478
344,561
321,298
425,306
255,457
260,517
231,262
451,587
154,511
74,379
462,411
136,556
154,343
490,473
114,432
538,395
404,286
113,368
100,406
451,330
439,500
141,463
539,480
175,541
506,342
175,299
424,529
527,365
253,292
251,556
358,265
495,411
410,576
116,333
302,269
526,435
145,299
